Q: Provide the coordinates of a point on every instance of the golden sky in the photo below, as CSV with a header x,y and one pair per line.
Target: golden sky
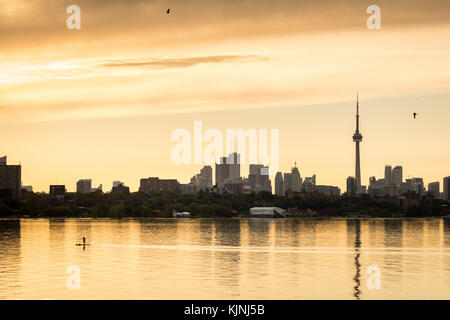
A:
x,y
102,102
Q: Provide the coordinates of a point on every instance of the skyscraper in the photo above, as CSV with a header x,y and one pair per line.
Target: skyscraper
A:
x,y
279,184
357,138
397,175
351,186
287,186
84,186
10,179
296,181
433,189
447,188
228,168
387,175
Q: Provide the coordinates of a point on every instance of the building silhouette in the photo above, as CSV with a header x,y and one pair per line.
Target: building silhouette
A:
x,y
447,188
397,175
387,175
10,180
434,189
352,186
279,184
120,187
357,138
228,170
258,178
84,186
148,185
309,184
57,192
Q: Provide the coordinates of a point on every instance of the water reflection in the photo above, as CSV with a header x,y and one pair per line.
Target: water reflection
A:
x,y
354,240
357,277
10,255
225,258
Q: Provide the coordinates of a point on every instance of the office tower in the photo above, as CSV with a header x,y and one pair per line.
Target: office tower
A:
x,y
387,175
447,188
351,186
357,138
84,186
287,186
397,175
279,185
309,184
254,176
221,172
296,180
417,185
10,180
258,178
234,164
206,177
434,189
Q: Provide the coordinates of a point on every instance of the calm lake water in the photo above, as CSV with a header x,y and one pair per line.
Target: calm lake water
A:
x,y
226,259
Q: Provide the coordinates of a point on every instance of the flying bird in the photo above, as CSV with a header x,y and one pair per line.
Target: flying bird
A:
x,y
414,114
168,11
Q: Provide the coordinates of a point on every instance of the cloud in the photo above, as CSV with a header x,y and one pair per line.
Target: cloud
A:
x,y
169,63
34,23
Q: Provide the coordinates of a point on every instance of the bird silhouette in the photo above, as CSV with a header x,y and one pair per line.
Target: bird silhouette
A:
x,y
414,114
168,11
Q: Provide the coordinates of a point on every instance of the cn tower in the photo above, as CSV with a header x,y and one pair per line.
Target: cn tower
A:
x,y
357,137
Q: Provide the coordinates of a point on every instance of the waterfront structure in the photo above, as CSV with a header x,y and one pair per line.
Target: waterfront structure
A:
x,y
10,180
357,138
273,212
84,186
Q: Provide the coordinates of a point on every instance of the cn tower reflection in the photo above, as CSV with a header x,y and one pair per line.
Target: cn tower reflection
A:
x,y
357,291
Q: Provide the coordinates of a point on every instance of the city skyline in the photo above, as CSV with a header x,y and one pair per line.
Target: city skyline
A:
x,y
74,106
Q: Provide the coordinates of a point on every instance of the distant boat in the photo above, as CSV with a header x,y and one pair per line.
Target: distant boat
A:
x,y
183,214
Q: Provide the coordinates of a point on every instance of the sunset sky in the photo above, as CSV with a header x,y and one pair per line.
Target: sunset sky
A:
x,y
102,102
